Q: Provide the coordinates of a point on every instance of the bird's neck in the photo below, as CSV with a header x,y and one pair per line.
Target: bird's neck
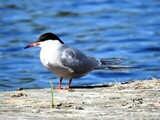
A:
x,y
50,45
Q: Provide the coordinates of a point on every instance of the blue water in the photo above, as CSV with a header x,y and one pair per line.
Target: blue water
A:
x,y
128,29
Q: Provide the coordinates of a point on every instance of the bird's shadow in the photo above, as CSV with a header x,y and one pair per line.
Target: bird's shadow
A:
x,y
91,86
97,85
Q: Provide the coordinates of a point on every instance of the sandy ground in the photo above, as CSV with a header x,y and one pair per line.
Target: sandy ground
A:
x,y
132,101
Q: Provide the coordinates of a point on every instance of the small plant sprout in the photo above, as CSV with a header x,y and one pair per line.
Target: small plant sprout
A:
x,y
53,102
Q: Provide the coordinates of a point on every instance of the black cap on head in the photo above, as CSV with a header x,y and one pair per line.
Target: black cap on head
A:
x,y
49,36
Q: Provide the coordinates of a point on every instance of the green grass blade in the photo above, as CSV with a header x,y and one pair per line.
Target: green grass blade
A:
x,y
51,85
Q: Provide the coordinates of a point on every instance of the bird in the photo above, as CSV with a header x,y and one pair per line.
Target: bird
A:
x,y
68,62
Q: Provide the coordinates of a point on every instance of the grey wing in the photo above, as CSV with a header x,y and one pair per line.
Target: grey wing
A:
x,y
78,61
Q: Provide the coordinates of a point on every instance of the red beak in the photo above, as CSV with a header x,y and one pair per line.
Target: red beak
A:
x,y
32,45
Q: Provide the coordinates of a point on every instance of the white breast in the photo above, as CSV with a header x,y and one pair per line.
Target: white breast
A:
x,y
50,57
49,53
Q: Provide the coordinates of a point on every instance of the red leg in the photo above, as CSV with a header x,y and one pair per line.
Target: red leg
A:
x,y
70,81
60,84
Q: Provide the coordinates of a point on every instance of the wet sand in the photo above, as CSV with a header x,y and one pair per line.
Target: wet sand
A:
x,y
138,100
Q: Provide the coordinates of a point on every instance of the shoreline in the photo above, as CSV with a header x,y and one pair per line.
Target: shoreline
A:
x,y
133,100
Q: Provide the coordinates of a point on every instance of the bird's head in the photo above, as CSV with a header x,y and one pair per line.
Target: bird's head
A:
x,y
43,38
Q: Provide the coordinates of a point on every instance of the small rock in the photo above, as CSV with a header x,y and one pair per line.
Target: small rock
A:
x,y
114,98
107,106
151,105
79,108
69,105
124,104
19,89
19,95
120,87
59,104
129,106
35,111
137,101
71,90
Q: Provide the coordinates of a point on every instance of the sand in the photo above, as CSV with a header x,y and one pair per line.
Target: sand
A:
x,y
138,100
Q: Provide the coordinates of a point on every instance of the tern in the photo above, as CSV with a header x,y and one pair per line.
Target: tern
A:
x,y
66,61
